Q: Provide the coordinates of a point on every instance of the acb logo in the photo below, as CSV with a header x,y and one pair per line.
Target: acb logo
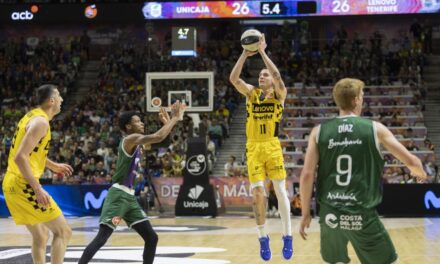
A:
x,y
25,15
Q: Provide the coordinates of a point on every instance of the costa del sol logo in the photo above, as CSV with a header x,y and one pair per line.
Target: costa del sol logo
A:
x,y
330,220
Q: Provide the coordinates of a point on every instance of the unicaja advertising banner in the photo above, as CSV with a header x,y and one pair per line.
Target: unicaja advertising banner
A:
x,y
196,166
196,195
196,200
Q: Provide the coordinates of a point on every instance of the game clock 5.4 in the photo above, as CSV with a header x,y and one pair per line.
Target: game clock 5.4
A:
x,y
287,8
272,8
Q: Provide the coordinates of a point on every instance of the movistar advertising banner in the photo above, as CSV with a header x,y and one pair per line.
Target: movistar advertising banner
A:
x,y
73,200
410,200
83,200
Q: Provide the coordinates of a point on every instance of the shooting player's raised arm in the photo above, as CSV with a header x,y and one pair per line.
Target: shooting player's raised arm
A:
x,y
241,86
279,87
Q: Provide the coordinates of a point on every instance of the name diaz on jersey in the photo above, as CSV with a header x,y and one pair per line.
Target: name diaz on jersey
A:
x,y
344,128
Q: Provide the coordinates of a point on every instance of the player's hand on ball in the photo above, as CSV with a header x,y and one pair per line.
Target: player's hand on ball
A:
x,y
263,44
248,53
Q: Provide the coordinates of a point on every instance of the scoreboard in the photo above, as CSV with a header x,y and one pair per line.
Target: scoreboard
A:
x,y
286,8
142,11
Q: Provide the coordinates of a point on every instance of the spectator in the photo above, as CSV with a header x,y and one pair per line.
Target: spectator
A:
x,y
417,30
176,160
223,113
290,147
427,37
428,145
166,163
367,112
308,123
215,132
411,146
231,167
296,205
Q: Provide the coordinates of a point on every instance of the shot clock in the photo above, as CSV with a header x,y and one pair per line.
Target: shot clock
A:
x,y
184,41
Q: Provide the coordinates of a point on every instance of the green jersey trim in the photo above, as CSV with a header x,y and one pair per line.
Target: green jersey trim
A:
x,y
345,116
123,149
317,134
376,139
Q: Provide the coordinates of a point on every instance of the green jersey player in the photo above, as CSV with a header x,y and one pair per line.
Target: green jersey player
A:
x,y
346,153
120,203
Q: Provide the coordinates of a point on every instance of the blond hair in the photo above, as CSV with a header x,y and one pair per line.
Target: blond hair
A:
x,y
345,91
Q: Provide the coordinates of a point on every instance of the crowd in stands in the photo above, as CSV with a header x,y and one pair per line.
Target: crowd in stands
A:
x,y
26,64
374,59
87,135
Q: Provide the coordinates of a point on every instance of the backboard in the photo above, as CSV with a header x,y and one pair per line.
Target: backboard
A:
x,y
196,89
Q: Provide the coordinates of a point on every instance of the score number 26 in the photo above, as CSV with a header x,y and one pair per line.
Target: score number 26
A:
x,y
340,6
240,8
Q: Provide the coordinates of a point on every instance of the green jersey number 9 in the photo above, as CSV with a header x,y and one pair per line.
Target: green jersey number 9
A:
x,y
342,172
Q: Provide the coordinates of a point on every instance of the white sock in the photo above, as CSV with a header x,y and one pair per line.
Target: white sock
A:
x,y
261,232
283,205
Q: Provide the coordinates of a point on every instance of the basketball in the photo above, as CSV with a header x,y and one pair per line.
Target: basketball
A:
x,y
250,39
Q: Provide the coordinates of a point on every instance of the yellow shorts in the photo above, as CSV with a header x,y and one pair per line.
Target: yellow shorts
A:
x,y
265,159
22,202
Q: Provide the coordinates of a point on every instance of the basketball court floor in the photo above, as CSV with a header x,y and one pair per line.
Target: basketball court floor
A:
x,y
229,239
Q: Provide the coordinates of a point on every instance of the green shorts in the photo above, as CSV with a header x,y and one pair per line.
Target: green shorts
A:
x,y
121,205
364,230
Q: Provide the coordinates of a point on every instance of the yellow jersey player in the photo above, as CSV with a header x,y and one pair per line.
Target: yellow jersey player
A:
x,y
264,106
28,203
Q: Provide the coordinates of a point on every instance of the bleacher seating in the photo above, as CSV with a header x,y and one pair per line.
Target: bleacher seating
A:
x,y
394,106
88,134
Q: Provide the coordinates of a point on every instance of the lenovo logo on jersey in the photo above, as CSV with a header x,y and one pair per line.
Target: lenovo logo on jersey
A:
x,y
263,108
